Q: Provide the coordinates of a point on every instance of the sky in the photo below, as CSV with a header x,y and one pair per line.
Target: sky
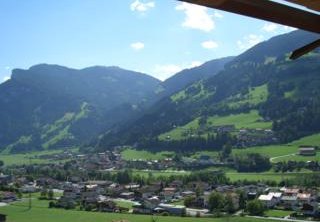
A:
x,y
156,37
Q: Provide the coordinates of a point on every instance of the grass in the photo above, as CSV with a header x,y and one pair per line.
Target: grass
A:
x,y
158,173
279,152
43,214
186,95
59,130
181,132
278,213
132,154
277,177
33,157
255,96
124,204
178,96
251,120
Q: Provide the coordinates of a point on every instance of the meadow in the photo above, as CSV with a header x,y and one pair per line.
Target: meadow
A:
x,y
250,120
44,214
32,157
132,154
284,152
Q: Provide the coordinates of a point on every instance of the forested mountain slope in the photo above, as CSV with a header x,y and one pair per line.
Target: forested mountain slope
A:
x,y
50,106
262,82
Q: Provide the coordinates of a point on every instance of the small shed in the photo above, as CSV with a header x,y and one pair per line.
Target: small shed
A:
x,y
307,151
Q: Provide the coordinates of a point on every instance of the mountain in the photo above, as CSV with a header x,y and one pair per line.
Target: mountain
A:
x,y
50,106
181,79
260,88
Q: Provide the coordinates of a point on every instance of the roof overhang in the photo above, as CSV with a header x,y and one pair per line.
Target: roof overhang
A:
x,y
274,12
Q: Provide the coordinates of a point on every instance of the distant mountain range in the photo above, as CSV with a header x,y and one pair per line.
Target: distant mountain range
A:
x,y
50,106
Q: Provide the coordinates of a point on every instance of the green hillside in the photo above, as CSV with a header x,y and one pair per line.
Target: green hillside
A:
x,y
251,120
53,107
260,88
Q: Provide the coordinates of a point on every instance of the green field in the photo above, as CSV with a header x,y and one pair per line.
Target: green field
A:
x,y
251,120
277,213
44,214
132,154
32,157
255,96
285,152
277,177
158,173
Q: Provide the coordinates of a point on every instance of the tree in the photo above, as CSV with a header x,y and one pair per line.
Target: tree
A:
x,y
1,163
50,194
226,150
216,201
255,207
229,205
242,199
43,194
188,201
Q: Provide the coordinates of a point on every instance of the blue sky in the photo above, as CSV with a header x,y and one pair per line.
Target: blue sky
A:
x,y
157,37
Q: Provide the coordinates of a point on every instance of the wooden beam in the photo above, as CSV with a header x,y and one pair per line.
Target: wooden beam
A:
x,y
305,49
311,4
266,10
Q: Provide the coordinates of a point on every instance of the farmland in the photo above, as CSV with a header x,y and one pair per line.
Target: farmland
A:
x,y
44,214
32,157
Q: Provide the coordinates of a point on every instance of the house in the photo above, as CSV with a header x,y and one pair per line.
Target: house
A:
x,y
8,197
276,195
171,209
176,184
140,209
310,209
5,179
187,193
304,198
307,151
196,212
269,201
291,191
151,203
149,191
127,195
107,206
169,193
29,188
132,186
289,202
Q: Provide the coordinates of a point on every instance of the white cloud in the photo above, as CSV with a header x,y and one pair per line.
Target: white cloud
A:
x,y
137,46
270,27
210,44
195,64
6,78
196,17
249,41
7,68
141,7
217,14
288,29
163,72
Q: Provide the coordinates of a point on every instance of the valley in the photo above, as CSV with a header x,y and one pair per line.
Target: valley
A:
x,y
234,139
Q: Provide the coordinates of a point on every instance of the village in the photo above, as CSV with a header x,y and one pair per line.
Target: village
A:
x,y
177,198
101,182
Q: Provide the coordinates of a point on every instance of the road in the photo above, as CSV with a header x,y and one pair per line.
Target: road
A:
x,y
276,157
280,219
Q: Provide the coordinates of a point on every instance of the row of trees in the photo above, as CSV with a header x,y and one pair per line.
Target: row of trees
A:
x,y
210,142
